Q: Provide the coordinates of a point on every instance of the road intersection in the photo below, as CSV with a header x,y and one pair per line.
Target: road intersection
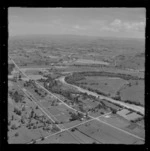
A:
x,y
92,118
28,94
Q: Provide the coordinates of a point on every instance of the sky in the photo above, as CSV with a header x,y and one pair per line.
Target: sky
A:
x,y
102,22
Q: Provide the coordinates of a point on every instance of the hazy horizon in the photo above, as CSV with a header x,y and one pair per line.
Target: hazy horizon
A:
x,y
94,22
71,35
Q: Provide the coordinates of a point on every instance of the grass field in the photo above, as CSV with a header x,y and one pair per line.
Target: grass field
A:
x,y
62,138
124,124
23,134
134,93
86,61
93,132
32,72
26,120
106,134
106,65
103,84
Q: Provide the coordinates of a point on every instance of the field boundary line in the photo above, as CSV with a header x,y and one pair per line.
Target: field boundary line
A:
x,y
39,106
75,109
121,130
63,130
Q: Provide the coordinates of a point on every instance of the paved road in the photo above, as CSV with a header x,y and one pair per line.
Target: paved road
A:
x,y
28,94
75,109
43,110
131,106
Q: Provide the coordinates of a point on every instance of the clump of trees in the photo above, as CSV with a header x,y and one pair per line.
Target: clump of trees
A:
x,y
17,111
118,97
75,116
17,97
96,109
81,108
74,78
55,129
114,111
10,68
30,83
132,102
137,120
81,75
13,127
73,129
39,92
16,134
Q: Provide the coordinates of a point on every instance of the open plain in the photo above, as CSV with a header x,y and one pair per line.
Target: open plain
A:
x,y
47,103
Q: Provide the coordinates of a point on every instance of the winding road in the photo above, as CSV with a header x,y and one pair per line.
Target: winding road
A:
x,y
130,106
96,118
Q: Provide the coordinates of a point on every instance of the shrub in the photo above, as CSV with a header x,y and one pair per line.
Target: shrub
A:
x,y
17,134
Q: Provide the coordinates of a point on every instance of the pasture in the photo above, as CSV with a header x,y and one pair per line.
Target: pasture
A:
x,y
134,93
105,85
106,134
86,61
124,124
62,138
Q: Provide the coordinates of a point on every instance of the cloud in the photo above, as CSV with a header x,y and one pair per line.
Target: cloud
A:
x,y
116,23
79,27
138,26
106,28
128,26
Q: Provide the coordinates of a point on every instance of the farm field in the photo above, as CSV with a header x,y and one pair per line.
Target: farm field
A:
x,y
105,134
124,124
62,138
60,116
112,85
94,132
26,121
106,85
36,77
86,61
134,93
54,107
83,68
33,71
